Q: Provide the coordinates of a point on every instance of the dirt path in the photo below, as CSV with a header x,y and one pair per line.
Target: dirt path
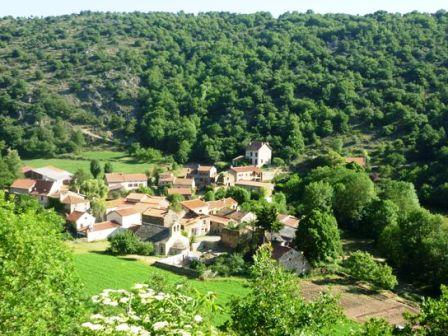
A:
x,y
360,303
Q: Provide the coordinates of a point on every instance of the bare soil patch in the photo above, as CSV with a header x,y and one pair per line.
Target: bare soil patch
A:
x,y
359,302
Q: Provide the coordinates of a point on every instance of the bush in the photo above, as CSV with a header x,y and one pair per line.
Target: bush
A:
x,y
232,264
126,242
362,266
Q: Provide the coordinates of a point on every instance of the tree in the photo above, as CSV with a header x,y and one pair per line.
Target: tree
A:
x,y
78,179
362,266
402,193
9,168
239,194
209,196
318,196
126,242
108,168
318,237
354,192
98,208
40,294
95,168
433,317
275,306
267,218
94,188
378,215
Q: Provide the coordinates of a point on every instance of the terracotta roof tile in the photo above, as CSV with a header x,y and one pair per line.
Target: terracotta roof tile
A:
x,y
194,204
23,184
122,177
104,226
180,191
245,169
74,216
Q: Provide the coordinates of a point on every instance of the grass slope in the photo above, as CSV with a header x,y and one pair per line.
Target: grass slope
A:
x,y
120,162
99,271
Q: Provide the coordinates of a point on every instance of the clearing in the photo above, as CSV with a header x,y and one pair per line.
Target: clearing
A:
x,y
359,302
121,162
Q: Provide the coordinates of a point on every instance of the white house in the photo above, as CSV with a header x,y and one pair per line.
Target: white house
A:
x,y
74,202
126,182
259,153
80,220
126,217
101,231
197,206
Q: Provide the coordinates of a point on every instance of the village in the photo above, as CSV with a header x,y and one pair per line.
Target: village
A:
x,y
194,227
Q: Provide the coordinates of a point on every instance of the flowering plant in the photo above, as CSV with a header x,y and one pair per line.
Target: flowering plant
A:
x,y
144,311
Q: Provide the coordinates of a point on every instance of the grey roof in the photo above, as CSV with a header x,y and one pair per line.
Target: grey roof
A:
x,y
152,233
53,174
287,232
256,145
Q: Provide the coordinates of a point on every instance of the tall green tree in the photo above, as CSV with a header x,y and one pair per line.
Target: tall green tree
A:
x,y
318,237
40,293
95,168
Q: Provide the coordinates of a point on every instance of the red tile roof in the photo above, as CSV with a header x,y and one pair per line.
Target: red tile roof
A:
x,y
180,191
23,184
74,216
245,169
222,203
288,220
122,177
194,204
358,160
104,226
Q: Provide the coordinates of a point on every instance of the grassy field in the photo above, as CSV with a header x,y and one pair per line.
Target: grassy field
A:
x,y
120,161
98,271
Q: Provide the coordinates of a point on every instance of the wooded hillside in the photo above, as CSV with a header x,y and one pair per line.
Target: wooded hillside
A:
x,y
200,87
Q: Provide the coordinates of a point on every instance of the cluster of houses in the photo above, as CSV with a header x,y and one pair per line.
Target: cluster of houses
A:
x,y
152,218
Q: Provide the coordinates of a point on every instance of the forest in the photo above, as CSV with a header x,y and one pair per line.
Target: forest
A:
x,y
200,87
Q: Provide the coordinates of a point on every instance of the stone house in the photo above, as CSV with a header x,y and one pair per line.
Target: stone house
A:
x,y
22,186
291,259
246,173
204,175
259,153
268,188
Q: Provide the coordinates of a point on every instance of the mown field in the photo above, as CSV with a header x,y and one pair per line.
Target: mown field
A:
x,y
98,271
120,160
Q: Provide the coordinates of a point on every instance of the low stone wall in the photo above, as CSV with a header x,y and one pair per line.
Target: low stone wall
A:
x,y
177,269
175,264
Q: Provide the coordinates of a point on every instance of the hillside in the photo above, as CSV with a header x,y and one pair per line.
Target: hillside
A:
x,y
200,87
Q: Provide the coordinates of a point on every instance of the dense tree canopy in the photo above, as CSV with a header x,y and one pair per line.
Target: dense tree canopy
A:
x,y
39,292
201,87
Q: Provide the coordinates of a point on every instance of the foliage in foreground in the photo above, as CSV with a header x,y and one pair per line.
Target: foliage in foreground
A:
x,y
39,293
362,266
147,311
275,306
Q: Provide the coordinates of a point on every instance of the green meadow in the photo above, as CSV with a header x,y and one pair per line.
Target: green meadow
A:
x,y
121,162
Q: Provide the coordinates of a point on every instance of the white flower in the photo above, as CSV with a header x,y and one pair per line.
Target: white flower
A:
x,y
95,299
184,333
140,286
198,318
124,299
135,330
96,317
92,326
122,327
159,296
160,325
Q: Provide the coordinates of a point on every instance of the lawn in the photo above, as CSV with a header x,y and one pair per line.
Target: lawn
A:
x,y
98,271
120,162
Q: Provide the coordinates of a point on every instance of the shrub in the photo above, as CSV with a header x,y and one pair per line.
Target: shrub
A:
x,y
362,266
232,264
126,242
